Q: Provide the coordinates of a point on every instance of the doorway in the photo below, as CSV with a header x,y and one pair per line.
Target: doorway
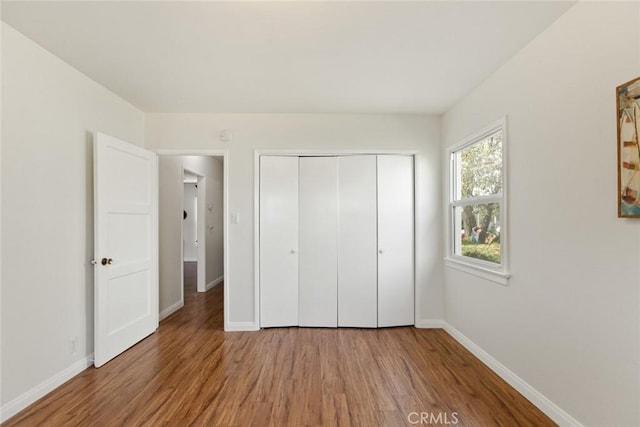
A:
x,y
193,258
192,227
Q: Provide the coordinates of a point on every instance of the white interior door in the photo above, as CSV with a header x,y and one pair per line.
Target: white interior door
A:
x,y
357,242
395,241
318,260
126,245
278,241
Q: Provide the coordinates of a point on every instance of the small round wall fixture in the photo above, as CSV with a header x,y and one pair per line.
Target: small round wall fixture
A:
x,y
225,135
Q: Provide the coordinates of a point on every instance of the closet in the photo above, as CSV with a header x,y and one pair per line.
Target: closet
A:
x,y
336,241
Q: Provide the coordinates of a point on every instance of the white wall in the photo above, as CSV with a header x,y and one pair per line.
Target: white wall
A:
x,y
170,215
190,233
568,323
214,212
1,274
310,132
49,114
170,223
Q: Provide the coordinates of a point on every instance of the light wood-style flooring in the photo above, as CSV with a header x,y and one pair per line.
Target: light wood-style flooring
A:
x,y
192,373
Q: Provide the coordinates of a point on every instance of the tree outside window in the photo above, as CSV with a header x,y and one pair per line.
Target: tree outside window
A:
x,y
477,184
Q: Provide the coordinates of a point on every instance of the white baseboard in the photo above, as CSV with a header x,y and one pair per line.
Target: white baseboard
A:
x,y
534,396
170,310
241,326
27,398
214,283
538,399
430,324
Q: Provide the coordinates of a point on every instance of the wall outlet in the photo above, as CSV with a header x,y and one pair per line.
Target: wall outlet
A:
x,y
73,345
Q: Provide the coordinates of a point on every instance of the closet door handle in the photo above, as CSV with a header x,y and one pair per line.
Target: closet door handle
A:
x,y
293,251
380,251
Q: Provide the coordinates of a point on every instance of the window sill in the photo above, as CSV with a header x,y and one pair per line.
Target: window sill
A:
x,y
499,277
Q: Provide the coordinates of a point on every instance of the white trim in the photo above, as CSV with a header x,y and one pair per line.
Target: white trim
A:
x,y
1,286
478,271
430,324
417,188
201,233
417,231
257,296
492,198
225,211
241,326
501,123
181,236
191,260
2,410
214,283
47,386
330,152
195,152
171,309
552,410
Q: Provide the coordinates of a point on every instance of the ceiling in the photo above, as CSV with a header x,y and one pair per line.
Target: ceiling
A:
x,y
285,57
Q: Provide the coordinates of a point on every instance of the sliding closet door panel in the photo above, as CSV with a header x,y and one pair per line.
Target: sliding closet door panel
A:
x,y
318,242
395,241
357,242
278,241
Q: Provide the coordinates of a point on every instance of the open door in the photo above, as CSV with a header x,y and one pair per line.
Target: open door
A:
x,y
126,245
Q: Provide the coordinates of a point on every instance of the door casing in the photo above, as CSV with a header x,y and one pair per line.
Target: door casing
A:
x,y
225,215
417,227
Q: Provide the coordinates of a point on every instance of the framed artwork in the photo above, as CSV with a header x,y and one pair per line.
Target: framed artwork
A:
x,y
628,111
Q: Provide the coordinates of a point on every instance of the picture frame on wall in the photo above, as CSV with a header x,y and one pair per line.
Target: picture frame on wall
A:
x,y
628,118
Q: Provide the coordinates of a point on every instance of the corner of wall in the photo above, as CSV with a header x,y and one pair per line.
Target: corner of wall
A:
x,y
534,396
241,327
21,402
430,324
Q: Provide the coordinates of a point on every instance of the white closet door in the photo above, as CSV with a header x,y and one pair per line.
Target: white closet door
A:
x,y
278,241
395,241
357,242
318,242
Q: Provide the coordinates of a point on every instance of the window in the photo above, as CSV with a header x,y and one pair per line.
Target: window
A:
x,y
477,209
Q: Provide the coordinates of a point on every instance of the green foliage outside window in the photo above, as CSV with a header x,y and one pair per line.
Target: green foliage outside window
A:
x,y
480,175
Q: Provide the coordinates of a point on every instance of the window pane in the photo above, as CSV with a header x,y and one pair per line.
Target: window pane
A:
x,y
480,167
477,232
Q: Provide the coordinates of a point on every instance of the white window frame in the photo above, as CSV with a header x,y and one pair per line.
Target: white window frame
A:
x,y
498,273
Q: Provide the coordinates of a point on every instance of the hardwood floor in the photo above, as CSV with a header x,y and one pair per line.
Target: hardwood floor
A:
x,y
190,278
192,373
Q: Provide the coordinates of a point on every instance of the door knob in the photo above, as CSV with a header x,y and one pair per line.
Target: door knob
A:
x,y
105,261
379,251
293,251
